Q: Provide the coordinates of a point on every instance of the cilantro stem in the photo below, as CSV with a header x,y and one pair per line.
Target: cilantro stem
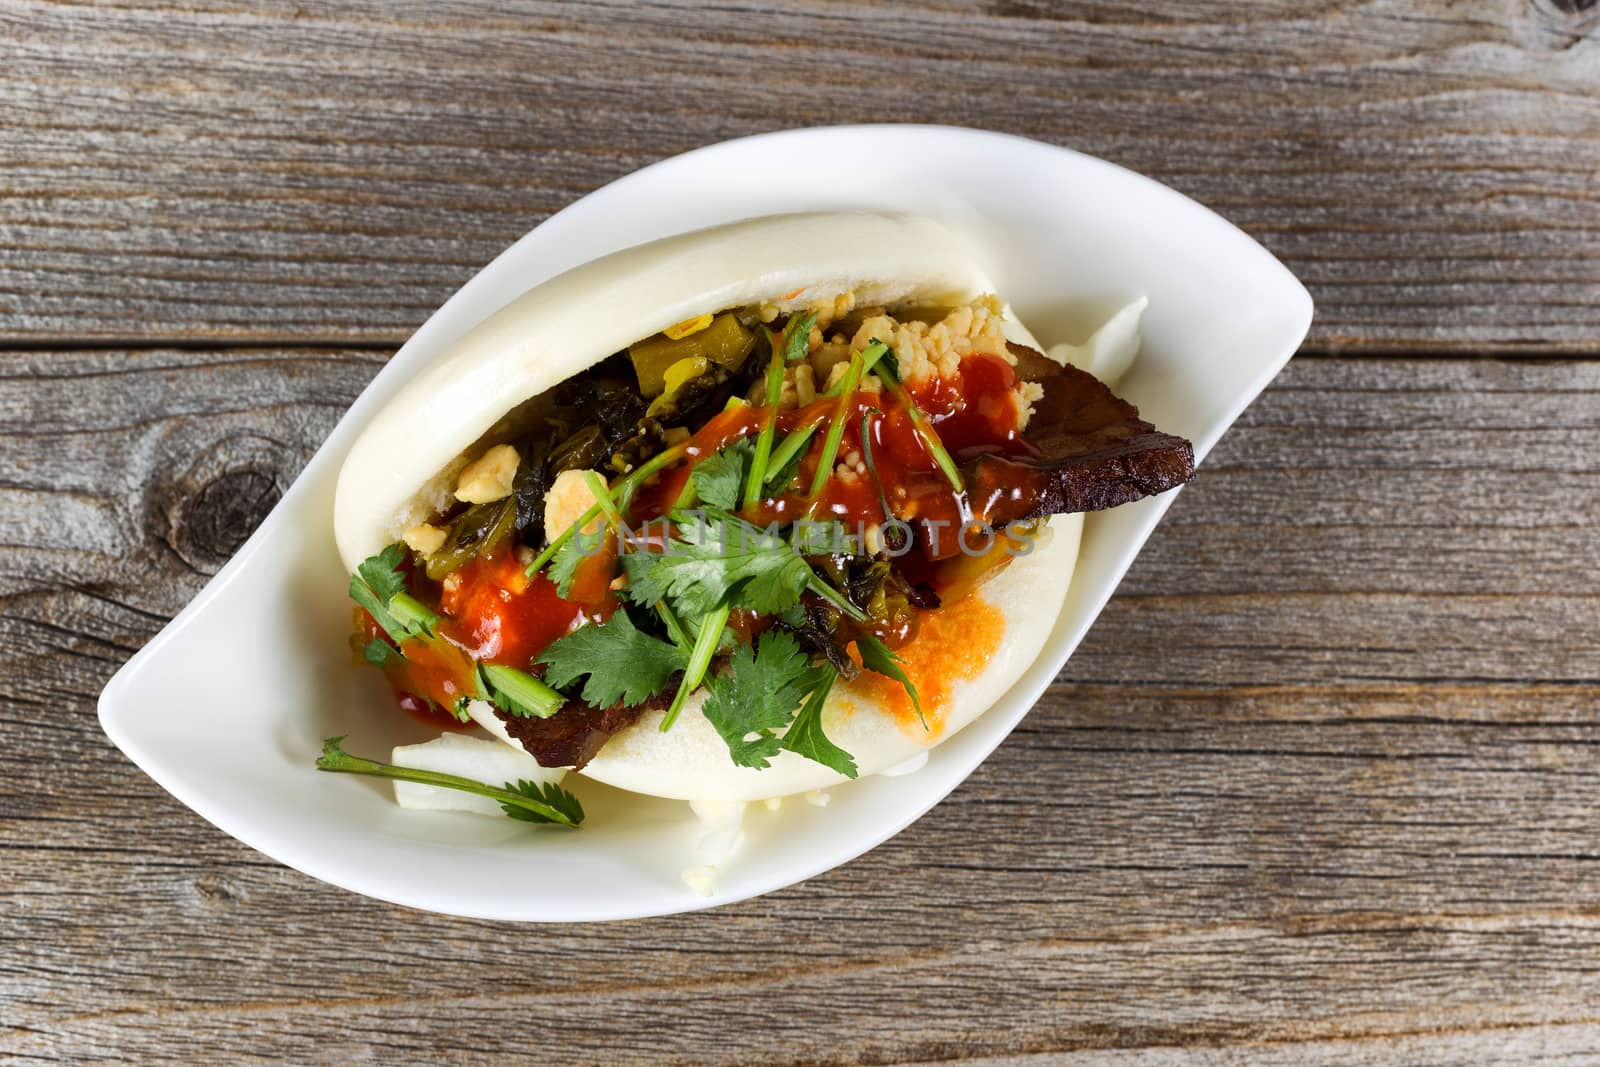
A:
x,y
623,493
872,466
412,613
847,393
792,446
769,427
561,539
602,496
919,422
335,758
705,646
870,356
791,345
526,694
675,630
687,495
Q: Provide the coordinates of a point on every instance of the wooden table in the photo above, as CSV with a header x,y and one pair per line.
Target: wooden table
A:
x,y
1321,786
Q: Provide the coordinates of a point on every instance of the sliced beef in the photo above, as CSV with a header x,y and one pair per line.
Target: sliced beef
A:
x,y
1093,451
572,736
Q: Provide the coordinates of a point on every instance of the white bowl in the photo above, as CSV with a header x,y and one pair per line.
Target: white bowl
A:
x,y
228,706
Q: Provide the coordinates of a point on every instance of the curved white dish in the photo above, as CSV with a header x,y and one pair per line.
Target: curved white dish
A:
x,y
226,708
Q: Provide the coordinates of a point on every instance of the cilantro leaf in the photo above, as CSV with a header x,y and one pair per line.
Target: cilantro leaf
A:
x,y
806,737
381,573
623,664
645,586
549,794
796,340
889,366
720,560
757,696
381,654
876,656
720,477
375,583
564,565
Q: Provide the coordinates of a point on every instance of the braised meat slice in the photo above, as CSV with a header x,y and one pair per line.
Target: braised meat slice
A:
x,y
572,736
1093,451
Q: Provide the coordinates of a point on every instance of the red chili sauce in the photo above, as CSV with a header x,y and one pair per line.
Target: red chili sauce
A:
x,y
491,611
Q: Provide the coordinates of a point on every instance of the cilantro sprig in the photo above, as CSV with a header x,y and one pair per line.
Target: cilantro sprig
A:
x,y
380,588
769,700
714,560
624,665
718,560
717,478
528,801
756,698
805,735
787,348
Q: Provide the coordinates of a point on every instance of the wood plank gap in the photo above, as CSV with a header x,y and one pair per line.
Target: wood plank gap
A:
x,y
301,343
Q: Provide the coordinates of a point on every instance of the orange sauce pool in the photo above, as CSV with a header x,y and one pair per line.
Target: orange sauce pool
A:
x,y
953,643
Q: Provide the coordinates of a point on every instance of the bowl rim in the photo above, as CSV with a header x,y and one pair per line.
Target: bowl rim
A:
x,y
456,315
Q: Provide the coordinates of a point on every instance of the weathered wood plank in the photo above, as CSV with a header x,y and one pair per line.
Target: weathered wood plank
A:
x,y
1152,869
1310,791
318,172
1368,521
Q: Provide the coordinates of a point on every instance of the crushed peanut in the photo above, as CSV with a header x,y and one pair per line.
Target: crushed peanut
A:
x,y
568,500
424,539
799,387
489,477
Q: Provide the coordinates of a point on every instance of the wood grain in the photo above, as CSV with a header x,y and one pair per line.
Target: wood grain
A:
x,y
1315,789
300,173
1320,787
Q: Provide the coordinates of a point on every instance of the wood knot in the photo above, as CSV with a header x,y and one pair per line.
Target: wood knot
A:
x,y
225,511
207,512
1560,24
216,891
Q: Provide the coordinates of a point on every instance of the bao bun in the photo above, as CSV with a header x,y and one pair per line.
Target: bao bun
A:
x,y
401,467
